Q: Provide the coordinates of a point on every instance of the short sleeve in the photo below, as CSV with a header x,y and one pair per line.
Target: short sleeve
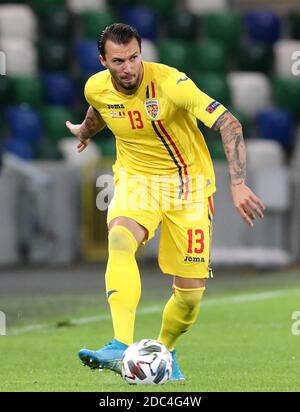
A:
x,y
88,92
185,94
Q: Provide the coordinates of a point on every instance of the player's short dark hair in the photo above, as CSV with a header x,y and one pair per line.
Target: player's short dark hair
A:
x,y
118,33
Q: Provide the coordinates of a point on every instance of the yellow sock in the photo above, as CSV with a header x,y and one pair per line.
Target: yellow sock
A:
x,y
123,285
180,312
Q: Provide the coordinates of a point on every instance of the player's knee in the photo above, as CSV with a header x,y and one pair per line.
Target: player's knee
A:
x,y
121,239
190,298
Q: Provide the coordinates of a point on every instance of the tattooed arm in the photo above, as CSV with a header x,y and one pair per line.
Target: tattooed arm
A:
x,y
92,124
233,142
244,200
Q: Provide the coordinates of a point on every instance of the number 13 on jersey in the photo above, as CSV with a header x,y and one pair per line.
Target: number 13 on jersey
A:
x,y
135,119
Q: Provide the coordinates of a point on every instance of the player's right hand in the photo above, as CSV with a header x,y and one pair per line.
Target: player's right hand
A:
x,y
247,203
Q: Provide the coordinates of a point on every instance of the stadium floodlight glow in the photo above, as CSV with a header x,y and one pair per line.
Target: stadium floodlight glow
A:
x,y
2,323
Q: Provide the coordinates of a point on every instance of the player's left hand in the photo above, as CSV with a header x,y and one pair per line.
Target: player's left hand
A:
x,y
247,203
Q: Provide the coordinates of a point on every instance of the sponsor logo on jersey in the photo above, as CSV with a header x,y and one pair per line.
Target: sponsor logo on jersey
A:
x,y
183,79
118,115
152,108
212,107
194,259
115,106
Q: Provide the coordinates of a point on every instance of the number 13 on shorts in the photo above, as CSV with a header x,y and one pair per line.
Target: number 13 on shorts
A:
x,y
190,240
195,241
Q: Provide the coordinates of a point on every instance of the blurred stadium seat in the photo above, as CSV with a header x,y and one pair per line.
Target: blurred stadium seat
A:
x,y
27,89
17,21
41,7
263,26
264,154
175,53
59,89
54,119
162,8
24,123
143,19
57,23
250,91
210,56
19,148
87,57
54,55
77,6
225,27
6,92
21,56
149,51
94,22
181,24
287,94
294,21
203,6
255,57
278,125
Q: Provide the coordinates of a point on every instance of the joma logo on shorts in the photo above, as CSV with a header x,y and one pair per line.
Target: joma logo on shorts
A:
x,y
194,259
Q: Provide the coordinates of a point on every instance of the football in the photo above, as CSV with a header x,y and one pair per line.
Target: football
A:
x,y
147,362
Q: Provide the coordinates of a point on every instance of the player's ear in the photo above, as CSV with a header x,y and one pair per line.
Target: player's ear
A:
x,y
102,61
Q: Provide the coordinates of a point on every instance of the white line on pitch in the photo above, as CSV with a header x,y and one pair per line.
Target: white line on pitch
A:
x,y
251,297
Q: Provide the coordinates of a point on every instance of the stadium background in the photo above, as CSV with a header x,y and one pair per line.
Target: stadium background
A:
x,y
52,236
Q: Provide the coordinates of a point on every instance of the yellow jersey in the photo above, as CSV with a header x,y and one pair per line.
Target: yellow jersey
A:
x,y
156,127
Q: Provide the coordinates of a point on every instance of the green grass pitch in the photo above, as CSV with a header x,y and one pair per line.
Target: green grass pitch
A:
x,y
242,341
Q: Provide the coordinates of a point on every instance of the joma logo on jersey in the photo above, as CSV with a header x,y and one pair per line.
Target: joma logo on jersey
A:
x,y
115,106
194,259
152,108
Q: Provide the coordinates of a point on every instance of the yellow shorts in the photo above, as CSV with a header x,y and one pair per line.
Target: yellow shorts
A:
x,y
186,230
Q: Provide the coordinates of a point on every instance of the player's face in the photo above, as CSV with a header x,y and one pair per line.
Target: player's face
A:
x,y
125,64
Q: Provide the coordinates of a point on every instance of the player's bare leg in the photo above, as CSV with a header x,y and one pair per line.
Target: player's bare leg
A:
x,y
138,231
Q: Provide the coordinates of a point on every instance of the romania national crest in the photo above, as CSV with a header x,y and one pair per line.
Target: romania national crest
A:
x,y
152,108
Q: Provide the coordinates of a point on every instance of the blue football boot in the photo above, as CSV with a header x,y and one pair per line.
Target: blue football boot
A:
x,y
108,357
176,374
